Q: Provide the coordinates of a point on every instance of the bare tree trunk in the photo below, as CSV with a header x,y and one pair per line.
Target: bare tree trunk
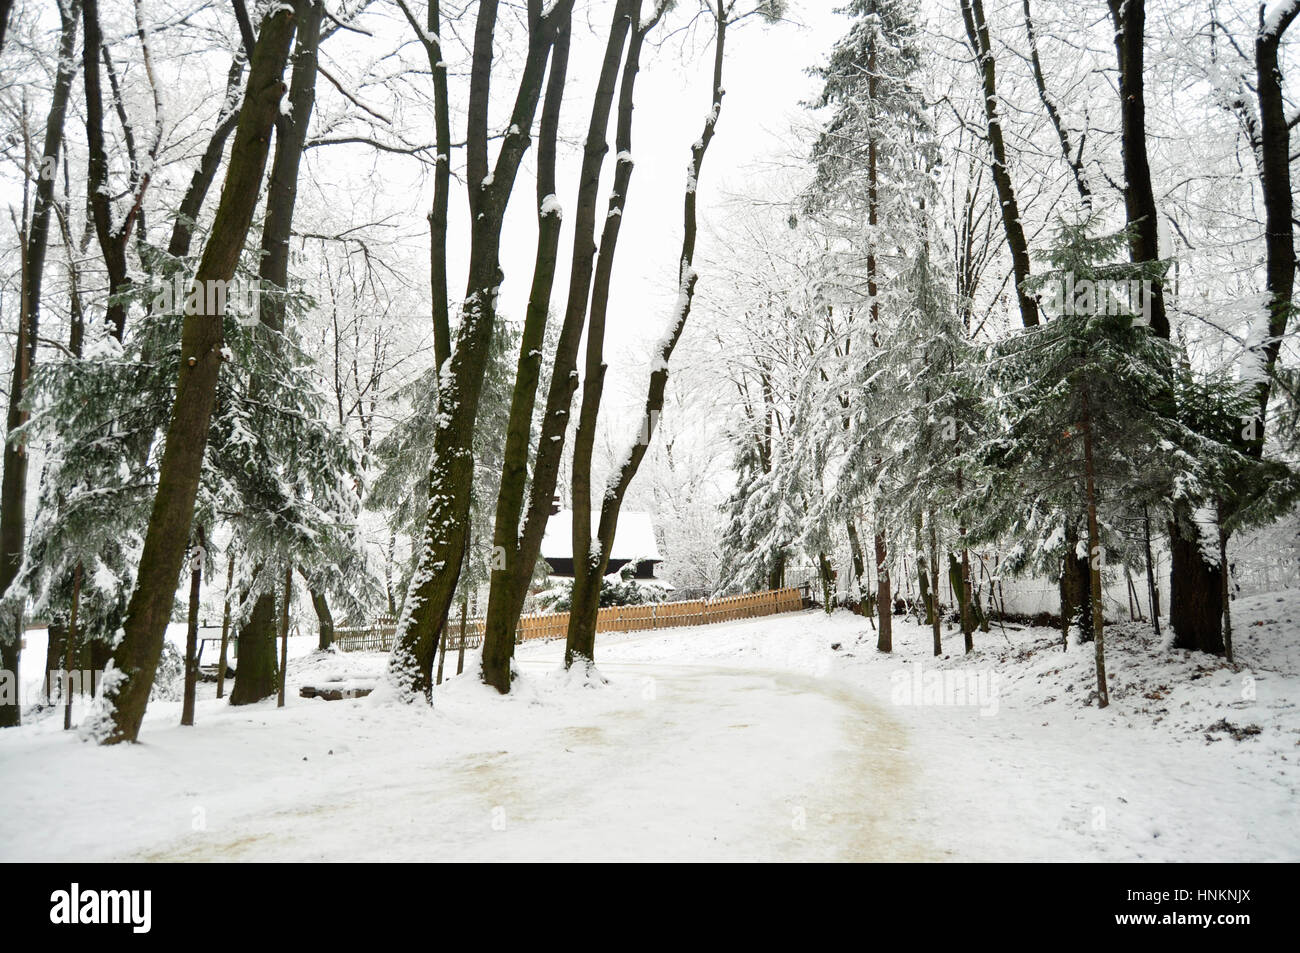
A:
x,y
113,239
935,620
967,615
1195,593
1274,157
282,189
187,212
855,554
588,567
71,648
136,658
963,581
56,647
460,649
1271,139
827,575
1094,550
977,33
884,599
443,541
255,678
922,577
1194,585
580,643
1075,584
6,6
1074,159
1152,595
324,619
431,38
776,575
509,585
13,486
284,634
256,675
225,628
442,658
1129,19
192,632
1225,594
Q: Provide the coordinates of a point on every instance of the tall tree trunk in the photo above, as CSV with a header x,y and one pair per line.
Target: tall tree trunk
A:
x,y
1194,614
588,567
13,486
977,33
964,586
1094,562
855,555
444,538
1076,583
225,627
113,238
282,188
1195,593
136,657
192,632
6,7
935,620
431,38
284,633
71,648
884,599
257,636
442,658
460,649
827,575
1225,595
1074,159
776,574
256,673
957,589
1129,20
324,619
967,610
187,213
1274,158
1152,595
509,587
581,639
56,648
922,577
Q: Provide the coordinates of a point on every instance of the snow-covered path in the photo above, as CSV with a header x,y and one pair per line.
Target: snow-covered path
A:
x,y
683,762
782,738
705,764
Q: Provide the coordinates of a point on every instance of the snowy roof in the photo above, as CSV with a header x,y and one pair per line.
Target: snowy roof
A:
x,y
633,539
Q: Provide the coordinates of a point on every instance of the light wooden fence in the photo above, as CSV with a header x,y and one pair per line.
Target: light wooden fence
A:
x,y
378,636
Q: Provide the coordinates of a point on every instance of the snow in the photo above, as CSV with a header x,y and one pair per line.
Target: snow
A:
x,y
781,738
551,206
634,538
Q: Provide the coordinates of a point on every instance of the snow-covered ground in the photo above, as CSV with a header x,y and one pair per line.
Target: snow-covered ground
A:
x,y
785,738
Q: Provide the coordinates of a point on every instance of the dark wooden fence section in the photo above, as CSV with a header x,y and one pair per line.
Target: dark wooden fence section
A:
x,y
378,636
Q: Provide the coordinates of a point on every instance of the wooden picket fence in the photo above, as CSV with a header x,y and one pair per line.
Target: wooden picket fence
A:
x,y
378,636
